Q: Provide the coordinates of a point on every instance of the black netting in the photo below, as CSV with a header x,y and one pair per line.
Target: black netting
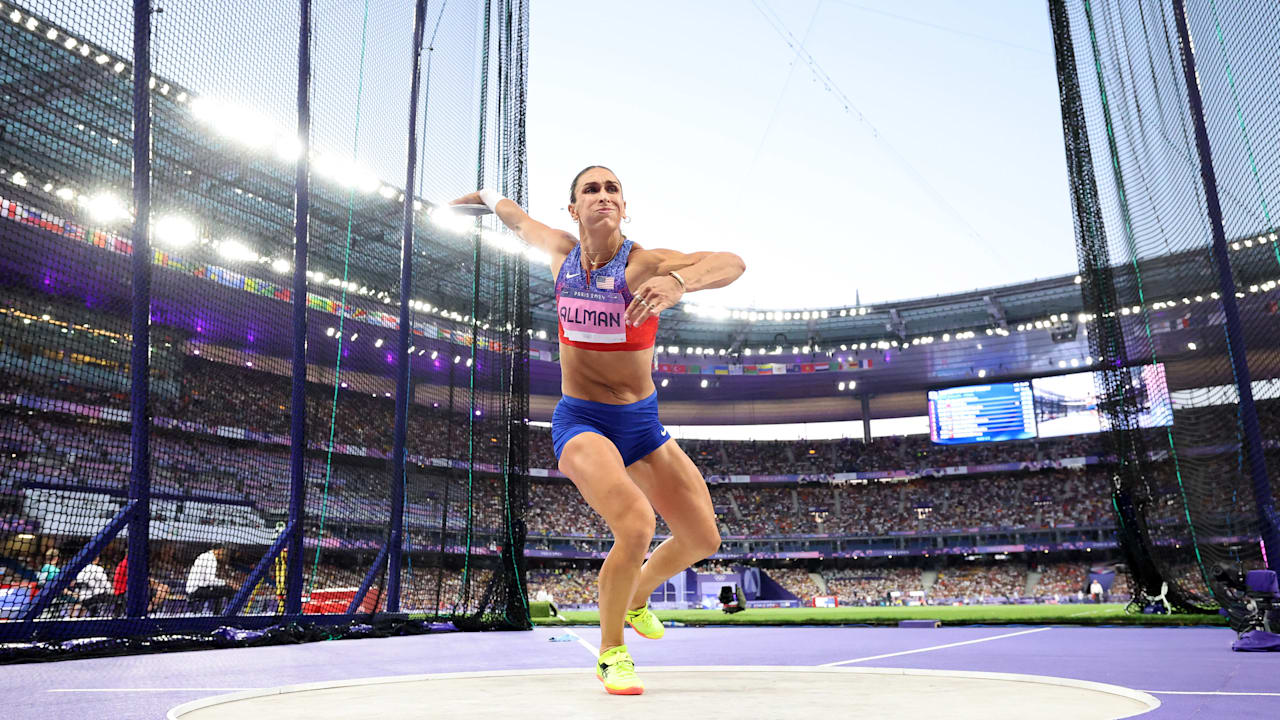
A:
x,y
1194,494
245,523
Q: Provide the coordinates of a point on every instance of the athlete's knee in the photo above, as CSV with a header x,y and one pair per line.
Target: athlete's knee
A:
x,y
704,545
635,526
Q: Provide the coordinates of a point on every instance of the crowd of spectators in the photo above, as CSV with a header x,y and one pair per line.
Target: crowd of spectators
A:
x,y
978,584
882,586
1062,580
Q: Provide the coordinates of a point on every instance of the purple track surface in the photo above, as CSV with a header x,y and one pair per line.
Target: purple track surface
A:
x,y
1155,660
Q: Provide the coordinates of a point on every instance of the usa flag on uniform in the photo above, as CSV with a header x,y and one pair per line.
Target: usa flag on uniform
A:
x,y
605,283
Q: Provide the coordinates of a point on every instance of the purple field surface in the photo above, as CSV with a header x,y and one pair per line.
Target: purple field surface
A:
x,y
1163,661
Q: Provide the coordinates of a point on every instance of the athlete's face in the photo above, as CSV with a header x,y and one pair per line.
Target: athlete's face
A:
x,y
599,202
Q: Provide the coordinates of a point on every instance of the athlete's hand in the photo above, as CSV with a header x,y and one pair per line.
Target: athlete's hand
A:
x,y
468,199
654,296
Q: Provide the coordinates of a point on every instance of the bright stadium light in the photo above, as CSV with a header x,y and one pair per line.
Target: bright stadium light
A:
x,y
703,383
32,23
117,68
542,334
15,16
101,59
377,343
175,231
840,387
235,250
65,193
329,332
665,381
853,384
746,352
18,179
982,373
104,207
387,192
1191,346
280,265
435,354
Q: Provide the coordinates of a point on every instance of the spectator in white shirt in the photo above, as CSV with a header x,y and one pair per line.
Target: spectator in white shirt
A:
x,y
93,588
203,582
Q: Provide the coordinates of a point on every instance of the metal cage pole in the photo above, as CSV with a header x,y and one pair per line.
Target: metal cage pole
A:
x,y
298,407
138,586
403,389
1235,333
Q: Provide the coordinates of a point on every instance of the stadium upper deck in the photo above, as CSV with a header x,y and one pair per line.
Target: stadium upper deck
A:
x,y
61,91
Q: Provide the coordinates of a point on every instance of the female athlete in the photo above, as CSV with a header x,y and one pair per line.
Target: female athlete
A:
x,y
605,429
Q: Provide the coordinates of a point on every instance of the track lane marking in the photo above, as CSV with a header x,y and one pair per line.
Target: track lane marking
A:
x,y
935,647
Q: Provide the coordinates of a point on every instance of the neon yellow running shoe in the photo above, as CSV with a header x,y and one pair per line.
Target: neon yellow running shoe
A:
x,y
646,623
617,671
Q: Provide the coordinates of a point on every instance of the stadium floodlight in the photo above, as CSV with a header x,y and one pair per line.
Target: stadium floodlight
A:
x,y
15,16
1062,363
721,352
387,192
232,249
354,336
853,384
176,231
117,68
982,373
840,387
844,312
795,349
377,343
688,351
1191,346
1075,362
703,383
281,265
665,381
104,207
825,314
18,179
457,359
805,349
542,334
329,332
746,352
435,354
101,59
32,23
65,193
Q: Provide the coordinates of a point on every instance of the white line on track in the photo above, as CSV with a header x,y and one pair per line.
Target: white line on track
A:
x,y
1208,692
1087,612
111,690
595,651
935,647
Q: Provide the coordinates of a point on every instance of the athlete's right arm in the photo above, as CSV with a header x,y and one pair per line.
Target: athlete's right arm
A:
x,y
556,243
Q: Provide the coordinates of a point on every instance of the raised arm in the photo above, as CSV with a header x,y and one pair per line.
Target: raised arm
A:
x,y
668,274
556,243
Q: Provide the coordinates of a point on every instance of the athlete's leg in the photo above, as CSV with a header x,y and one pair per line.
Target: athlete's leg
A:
x,y
593,464
677,491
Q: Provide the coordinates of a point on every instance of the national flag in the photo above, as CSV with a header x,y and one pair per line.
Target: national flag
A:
x,y
807,367
735,369
605,283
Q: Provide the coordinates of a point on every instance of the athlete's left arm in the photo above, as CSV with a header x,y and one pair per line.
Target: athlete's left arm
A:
x,y
660,290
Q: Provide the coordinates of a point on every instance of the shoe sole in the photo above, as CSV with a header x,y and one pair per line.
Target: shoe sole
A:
x,y
620,691
647,637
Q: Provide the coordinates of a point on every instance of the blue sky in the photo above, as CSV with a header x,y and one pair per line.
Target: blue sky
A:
x,y
946,174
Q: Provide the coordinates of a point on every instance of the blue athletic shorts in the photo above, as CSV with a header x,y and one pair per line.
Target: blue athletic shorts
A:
x,y
633,428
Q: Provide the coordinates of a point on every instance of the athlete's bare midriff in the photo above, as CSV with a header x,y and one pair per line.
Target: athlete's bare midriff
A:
x,y
614,378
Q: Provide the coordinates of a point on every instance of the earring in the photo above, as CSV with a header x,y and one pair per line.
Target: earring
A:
x,y
626,218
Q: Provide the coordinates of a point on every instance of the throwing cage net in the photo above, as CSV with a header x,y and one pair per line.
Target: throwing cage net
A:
x,y
254,374
1176,193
